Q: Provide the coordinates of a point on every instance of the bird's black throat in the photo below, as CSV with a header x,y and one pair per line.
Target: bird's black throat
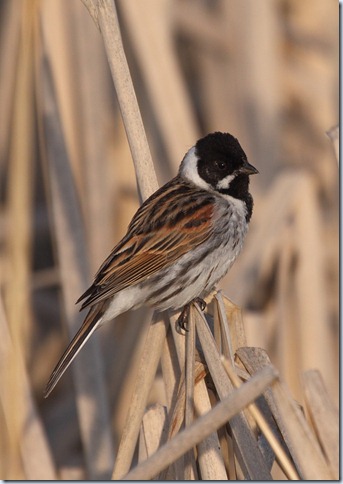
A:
x,y
239,188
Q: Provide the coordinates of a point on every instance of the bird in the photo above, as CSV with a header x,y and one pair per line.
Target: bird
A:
x,y
182,240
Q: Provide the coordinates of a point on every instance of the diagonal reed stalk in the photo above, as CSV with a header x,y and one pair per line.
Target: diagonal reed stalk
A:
x,y
204,426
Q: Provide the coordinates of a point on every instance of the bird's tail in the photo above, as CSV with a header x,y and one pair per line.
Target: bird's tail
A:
x,y
92,321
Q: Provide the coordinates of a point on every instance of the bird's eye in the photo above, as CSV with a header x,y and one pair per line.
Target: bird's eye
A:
x,y
221,165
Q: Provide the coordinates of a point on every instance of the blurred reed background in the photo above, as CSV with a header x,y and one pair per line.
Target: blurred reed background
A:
x,y
265,71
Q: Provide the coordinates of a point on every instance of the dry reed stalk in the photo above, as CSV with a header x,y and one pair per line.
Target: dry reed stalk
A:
x,y
151,40
93,117
18,240
37,458
190,472
207,451
177,404
190,374
311,463
170,369
324,417
295,430
59,30
226,410
234,321
314,331
129,340
231,464
248,453
286,303
9,42
222,325
105,16
73,263
290,230
10,436
32,449
279,452
174,384
124,200
231,324
153,431
185,351
20,186
253,360
211,463
145,376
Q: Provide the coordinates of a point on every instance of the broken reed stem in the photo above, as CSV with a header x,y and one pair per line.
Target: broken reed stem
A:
x,y
204,426
224,327
279,452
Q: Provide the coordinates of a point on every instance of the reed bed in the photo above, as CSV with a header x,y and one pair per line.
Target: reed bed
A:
x,y
100,101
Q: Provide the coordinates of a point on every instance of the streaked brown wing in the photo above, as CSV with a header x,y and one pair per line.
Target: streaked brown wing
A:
x,y
159,234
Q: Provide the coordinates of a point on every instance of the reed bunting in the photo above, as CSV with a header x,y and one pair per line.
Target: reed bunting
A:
x,y
179,244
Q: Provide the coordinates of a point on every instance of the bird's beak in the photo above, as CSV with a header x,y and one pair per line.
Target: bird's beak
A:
x,y
248,169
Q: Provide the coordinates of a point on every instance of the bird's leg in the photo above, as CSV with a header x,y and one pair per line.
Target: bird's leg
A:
x,y
182,320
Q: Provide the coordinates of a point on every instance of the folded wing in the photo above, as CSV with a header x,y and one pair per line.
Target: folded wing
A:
x,y
159,234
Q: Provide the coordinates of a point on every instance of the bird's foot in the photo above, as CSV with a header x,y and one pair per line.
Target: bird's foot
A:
x,y
182,320
201,303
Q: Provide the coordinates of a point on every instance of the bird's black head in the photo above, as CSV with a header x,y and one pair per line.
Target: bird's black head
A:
x,y
221,160
218,163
